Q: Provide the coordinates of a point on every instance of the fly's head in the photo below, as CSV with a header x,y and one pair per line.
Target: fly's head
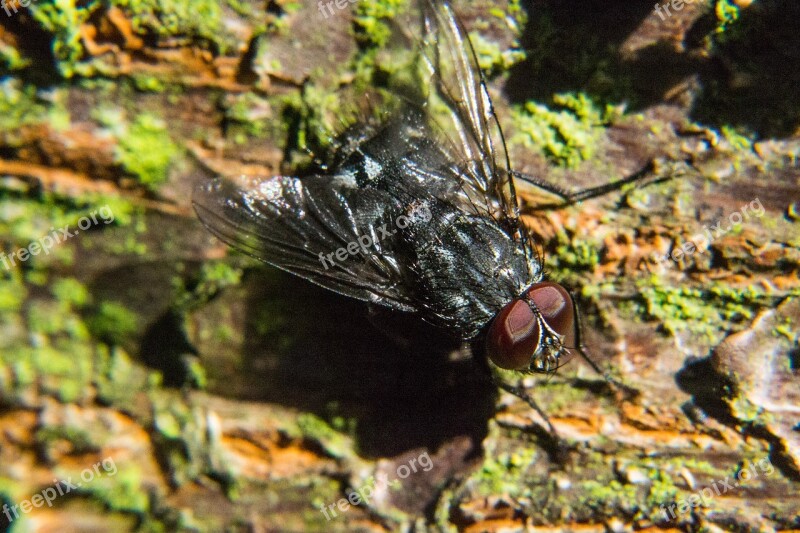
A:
x,y
533,332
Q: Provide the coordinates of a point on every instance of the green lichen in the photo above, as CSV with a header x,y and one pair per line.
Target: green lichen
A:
x,y
343,424
589,488
118,380
169,425
145,148
662,489
513,14
786,330
610,496
323,492
78,439
316,429
567,135
739,141
744,410
184,440
63,19
507,473
192,20
125,213
370,21
47,348
311,120
708,313
124,491
148,83
70,293
25,220
698,466
50,318
242,8
564,395
11,59
249,115
193,291
644,501
12,294
503,474
196,373
129,225
25,105
62,370
492,59
577,256
727,13
173,428
113,323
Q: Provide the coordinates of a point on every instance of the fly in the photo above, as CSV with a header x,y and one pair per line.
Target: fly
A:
x,y
418,214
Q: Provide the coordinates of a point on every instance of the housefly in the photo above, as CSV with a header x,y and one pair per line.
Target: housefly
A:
x,y
418,214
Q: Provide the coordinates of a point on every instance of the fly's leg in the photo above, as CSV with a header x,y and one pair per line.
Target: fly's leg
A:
x,y
519,392
592,192
553,444
620,389
568,198
617,387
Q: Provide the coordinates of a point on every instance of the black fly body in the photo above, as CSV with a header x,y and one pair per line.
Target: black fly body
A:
x,y
468,266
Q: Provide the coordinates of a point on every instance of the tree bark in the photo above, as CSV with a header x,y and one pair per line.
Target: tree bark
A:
x,y
204,392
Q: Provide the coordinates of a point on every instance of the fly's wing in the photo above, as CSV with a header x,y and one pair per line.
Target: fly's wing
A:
x,y
476,142
298,226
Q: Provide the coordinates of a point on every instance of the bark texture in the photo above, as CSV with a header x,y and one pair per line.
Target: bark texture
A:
x,y
215,394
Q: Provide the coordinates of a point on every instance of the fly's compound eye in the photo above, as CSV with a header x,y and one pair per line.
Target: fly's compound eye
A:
x,y
555,305
513,336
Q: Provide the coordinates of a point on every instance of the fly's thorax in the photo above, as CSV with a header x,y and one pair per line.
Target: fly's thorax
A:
x,y
467,268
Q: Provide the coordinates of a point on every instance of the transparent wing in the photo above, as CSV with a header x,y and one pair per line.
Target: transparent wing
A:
x,y
298,226
476,138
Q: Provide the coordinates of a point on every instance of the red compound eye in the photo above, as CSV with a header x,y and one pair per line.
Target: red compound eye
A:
x,y
514,335
555,305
